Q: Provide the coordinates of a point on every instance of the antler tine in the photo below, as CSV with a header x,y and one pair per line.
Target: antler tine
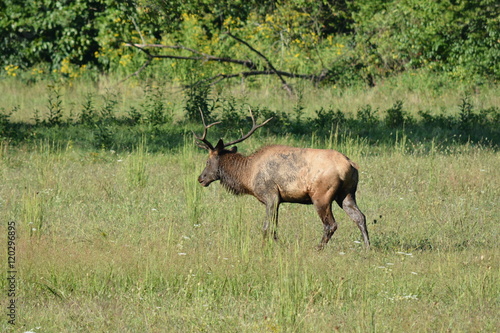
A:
x,y
203,142
254,128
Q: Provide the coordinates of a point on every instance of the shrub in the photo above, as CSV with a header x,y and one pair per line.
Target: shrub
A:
x,y
197,100
396,116
328,119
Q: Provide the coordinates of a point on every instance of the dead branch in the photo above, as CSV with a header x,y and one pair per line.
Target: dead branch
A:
x,y
203,56
219,77
269,68
143,67
285,84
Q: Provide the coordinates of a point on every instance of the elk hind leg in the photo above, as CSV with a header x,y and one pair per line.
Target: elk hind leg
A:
x,y
324,210
351,208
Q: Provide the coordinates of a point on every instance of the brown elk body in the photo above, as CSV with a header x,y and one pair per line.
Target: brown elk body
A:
x,y
276,174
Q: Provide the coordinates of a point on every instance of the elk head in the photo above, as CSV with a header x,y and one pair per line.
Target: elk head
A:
x,y
212,171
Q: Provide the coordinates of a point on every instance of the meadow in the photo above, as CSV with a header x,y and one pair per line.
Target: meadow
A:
x,y
113,232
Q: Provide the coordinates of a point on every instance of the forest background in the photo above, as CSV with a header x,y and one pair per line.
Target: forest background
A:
x,y
348,41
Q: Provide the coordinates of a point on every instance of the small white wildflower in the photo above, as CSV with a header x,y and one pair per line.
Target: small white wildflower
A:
x,y
357,242
341,253
414,273
182,254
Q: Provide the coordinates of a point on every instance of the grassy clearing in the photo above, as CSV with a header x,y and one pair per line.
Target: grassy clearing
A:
x,y
115,234
129,241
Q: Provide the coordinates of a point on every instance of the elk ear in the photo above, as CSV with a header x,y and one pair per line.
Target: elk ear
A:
x,y
233,149
219,146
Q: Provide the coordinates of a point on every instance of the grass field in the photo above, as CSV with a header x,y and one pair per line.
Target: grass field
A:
x,y
128,241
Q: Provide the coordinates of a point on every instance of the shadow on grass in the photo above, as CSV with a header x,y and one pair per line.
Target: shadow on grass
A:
x,y
116,135
393,127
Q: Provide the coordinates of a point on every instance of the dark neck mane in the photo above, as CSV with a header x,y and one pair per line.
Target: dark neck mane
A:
x,y
234,173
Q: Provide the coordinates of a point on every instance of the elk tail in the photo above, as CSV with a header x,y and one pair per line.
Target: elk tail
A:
x,y
354,165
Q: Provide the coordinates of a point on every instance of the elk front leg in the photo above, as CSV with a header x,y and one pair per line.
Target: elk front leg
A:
x,y
272,207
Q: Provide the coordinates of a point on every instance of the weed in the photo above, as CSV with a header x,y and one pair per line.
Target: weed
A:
x,y
88,112
5,124
467,117
367,115
103,135
396,116
298,111
108,110
328,119
37,118
232,114
281,123
54,106
196,100
134,116
154,107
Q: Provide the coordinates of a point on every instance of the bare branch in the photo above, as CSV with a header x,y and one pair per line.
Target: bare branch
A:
x,y
143,67
285,84
137,29
219,77
200,56
203,56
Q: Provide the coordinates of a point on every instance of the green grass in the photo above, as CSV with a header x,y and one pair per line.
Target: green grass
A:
x,y
127,240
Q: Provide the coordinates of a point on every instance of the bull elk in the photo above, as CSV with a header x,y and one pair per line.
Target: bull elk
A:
x,y
275,174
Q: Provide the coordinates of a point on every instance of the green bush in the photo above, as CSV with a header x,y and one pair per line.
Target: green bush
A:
x,y
344,42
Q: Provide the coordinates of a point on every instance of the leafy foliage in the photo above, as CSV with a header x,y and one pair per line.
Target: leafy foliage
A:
x,y
64,33
351,42
456,36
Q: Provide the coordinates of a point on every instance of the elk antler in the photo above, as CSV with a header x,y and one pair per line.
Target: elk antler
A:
x,y
254,128
202,141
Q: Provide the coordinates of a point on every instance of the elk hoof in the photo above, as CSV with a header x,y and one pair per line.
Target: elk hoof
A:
x,y
320,247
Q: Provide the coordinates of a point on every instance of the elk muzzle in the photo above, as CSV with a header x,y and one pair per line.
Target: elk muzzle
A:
x,y
204,180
